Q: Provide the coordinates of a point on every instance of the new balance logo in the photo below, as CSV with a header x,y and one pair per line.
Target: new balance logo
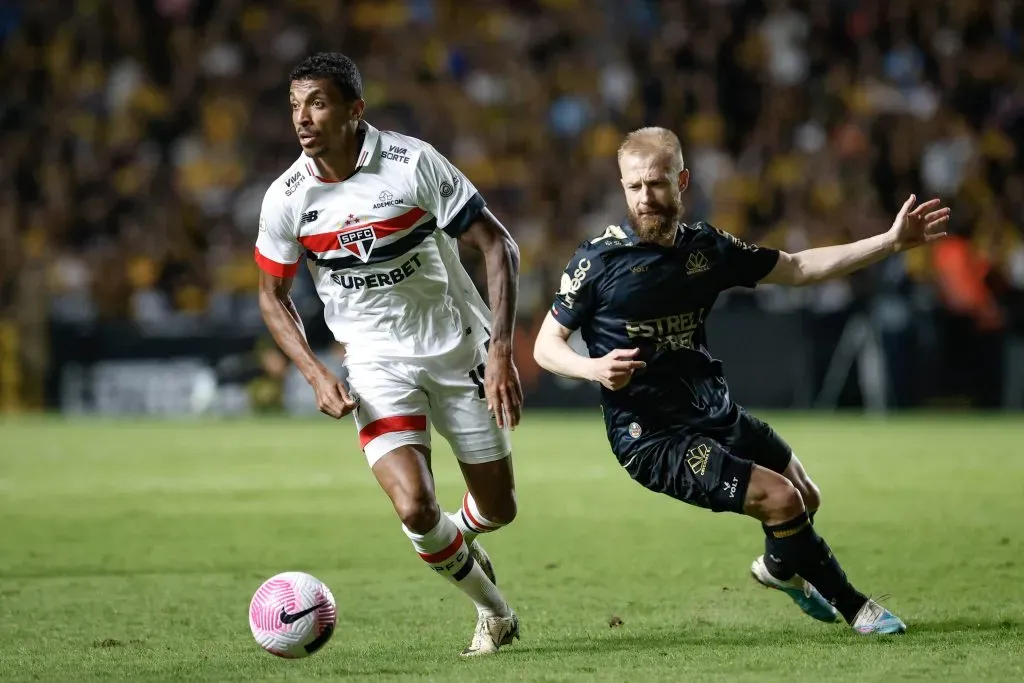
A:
x,y
309,217
697,458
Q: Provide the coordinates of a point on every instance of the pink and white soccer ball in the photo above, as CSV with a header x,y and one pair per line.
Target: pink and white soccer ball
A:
x,y
292,615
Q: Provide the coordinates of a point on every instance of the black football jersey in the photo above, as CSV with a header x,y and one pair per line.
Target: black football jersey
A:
x,y
621,293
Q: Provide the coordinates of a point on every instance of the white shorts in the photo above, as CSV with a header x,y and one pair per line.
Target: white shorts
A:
x,y
398,402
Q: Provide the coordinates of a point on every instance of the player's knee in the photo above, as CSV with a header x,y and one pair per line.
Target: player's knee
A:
x,y
808,489
784,501
773,499
418,512
502,509
811,495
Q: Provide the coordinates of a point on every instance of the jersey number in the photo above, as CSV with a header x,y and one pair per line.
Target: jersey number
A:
x,y
477,375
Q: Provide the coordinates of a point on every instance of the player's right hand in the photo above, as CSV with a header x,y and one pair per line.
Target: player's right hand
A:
x,y
332,397
616,368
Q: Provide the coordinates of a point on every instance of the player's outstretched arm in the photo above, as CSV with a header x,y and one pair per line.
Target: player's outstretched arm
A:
x,y
285,325
552,352
912,228
501,259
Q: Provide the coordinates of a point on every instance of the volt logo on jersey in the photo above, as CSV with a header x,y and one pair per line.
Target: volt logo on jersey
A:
x,y
358,241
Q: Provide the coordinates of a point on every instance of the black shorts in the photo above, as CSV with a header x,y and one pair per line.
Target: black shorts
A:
x,y
712,468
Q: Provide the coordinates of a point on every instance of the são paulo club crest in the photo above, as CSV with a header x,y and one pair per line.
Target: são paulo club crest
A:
x,y
357,240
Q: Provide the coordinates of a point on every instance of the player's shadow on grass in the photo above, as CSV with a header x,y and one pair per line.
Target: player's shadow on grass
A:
x,y
967,626
663,642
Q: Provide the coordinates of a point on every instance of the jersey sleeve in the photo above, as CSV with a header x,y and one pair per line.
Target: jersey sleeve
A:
x,y
743,264
443,190
277,248
576,299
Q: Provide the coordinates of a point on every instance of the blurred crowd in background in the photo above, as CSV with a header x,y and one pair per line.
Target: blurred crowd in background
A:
x,y
137,139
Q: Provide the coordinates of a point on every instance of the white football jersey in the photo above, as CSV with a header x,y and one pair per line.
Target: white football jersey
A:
x,y
381,246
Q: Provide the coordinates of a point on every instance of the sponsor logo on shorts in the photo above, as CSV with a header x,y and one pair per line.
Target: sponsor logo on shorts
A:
x,y
634,430
697,458
731,487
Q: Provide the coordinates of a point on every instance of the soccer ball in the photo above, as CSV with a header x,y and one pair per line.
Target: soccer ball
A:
x,y
292,615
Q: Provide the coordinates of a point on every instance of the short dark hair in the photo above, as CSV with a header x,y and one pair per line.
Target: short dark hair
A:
x,y
335,67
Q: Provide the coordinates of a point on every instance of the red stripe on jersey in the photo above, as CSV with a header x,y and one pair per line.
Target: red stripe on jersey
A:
x,y
442,555
328,241
389,425
274,268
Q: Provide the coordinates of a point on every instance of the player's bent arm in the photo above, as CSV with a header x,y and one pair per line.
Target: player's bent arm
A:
x,y
285,324
552,352
501,259
812,266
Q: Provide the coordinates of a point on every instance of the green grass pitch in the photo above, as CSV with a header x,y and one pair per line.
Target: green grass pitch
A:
x,y
129,551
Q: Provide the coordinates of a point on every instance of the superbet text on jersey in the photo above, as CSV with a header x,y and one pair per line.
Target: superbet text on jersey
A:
x,y
381,247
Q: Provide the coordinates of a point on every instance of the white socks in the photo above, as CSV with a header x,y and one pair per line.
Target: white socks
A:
x,y
470,521
447,552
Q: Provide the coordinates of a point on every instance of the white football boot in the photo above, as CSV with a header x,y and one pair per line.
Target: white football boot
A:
x,y
873,619
491,633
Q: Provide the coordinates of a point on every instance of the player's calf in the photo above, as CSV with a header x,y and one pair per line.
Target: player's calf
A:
x,y
405,476
490,503
774,500
811,496
446,551
474,519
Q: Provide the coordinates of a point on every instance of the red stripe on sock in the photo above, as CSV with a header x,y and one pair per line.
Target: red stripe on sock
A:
x,y
473,520
441,556
387,425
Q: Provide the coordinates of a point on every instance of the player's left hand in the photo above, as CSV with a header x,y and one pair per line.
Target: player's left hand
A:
x,y
914,227
502,387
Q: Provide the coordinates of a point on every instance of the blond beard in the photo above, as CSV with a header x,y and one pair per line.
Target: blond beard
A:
x,y
656,228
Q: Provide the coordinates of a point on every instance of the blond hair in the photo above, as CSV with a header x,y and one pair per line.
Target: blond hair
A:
x,y
653,141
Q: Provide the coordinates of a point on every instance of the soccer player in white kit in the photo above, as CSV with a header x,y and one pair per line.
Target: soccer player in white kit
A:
x,y
378,216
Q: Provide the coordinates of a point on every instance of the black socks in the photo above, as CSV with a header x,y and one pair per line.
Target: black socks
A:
x,y
802,551
779,569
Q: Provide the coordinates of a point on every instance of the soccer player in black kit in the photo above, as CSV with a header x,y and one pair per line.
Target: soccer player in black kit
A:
x,y
640,294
